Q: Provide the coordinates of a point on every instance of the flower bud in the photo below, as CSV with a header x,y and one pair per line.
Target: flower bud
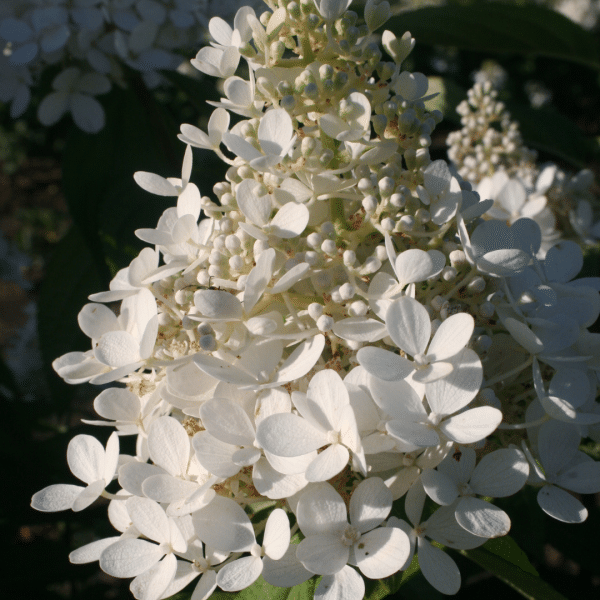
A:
x,y
325,323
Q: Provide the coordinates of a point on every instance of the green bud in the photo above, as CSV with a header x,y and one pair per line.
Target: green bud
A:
x,y
340,79
390,109
285,88
311,91
379,124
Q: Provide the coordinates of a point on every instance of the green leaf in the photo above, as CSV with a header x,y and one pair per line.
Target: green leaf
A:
x,y
377,590
547,130
197,90
496,28
262,590
71,275
103,198
510,564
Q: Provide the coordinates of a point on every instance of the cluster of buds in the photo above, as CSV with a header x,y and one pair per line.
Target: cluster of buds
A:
x,y
501,168
94,41
345,330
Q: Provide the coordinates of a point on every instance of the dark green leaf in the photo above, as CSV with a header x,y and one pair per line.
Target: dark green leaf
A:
x,y
377,590
103,198
510,564
496,28
547,130
261,590
71,275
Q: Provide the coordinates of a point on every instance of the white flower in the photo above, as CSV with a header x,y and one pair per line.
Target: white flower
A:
x,y
134,557
499,474
276,138
331,543
327,420
91,463
437,567
74,92
409,326
564,468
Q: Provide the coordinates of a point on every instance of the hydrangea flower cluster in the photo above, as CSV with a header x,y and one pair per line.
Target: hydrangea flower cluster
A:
x,y
93,40
489,152
345,332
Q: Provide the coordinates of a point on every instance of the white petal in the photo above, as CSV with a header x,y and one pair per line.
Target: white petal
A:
x,y
438,568
149,519
505,262
523,335
439,487
482,518
472,425
166,488
325,398
432,372
244,457
557,445
500,473
413,265
292,277
130,557
239,574
117,349
275,131
328,463
583,478
347,584
227,421
215,456
451,337
161,577
563,261
133,474
300,361
91,552
206,586
223,525
277,534
85,456
258,279
52,108
88,495
169,445
289,435
218,304
454,391
257,209
323,554
360,329
381,552
155,184
408,324
272,484
370,504
560,505
223,371
96,319
321,510
384,364
56,497
117,404
414,433
88,113
285,572
290,221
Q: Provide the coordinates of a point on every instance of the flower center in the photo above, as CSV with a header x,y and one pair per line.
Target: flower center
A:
x,y
350,536
421,361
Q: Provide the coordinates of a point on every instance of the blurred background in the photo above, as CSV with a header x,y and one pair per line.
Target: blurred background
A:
x,y
69,208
